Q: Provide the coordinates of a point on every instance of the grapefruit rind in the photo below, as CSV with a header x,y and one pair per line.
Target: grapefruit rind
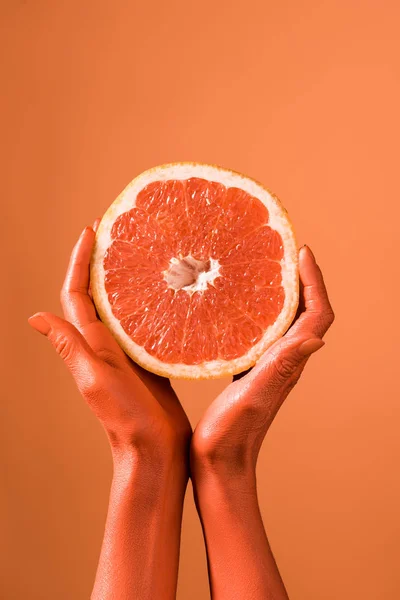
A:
x,y
278,220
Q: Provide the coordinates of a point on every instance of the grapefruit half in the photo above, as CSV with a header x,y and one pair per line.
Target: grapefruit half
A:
x,y
195,270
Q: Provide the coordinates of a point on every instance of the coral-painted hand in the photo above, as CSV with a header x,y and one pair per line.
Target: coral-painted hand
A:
x,y
231,431
149,435
226,443
134,406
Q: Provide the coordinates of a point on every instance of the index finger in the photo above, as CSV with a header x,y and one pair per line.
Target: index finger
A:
x,y
95,228
315,313
318,315
77,306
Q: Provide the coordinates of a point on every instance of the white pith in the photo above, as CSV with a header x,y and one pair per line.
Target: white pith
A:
x,y
203,279
278,220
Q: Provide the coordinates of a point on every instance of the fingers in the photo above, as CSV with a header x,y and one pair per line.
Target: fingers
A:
x,y
318,315
96,224
284,360
315,294
70,345
253,399
315,314
77,305
95,228
280,367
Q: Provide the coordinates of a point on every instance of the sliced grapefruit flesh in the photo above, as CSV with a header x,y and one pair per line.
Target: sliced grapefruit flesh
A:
x,y
195,270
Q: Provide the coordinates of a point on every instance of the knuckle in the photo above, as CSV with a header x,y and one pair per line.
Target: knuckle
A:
x,y
92,389
330,317
109,356
64,346
63,294
92,384
70,296
285,368
320,321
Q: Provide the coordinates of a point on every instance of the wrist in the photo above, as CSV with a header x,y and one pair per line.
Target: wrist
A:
x,y
233,476
217,493
222,460
148,483
150,451
154,466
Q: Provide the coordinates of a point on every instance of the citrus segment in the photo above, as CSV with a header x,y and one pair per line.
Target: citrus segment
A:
x,y
165,202
204,201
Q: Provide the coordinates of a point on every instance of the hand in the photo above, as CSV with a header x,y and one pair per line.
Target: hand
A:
x,y
137,408
229,435
226,443
149,435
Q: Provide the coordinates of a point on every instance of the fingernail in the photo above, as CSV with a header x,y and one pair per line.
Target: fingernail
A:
x,y
311,252
40,324
96,223
310,346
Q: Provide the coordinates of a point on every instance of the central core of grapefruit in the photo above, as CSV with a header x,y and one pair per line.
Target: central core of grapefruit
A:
x,y
191,274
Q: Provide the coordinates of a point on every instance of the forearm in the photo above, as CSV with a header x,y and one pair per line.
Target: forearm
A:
x,y
241,564
140,552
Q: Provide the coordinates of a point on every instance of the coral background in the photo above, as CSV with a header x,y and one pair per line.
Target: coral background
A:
x,y
303,96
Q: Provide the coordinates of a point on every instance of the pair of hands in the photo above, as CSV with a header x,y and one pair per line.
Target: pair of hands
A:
x,y
140,410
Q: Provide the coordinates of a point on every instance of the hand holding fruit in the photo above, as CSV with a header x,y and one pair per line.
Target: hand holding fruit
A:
x,y
137,408
229,435
226,443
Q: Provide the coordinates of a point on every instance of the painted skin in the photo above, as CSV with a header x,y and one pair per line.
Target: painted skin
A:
x,y
154,450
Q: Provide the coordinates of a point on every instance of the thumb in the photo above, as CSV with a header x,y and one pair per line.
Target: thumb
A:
x,y
68,342
284,360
